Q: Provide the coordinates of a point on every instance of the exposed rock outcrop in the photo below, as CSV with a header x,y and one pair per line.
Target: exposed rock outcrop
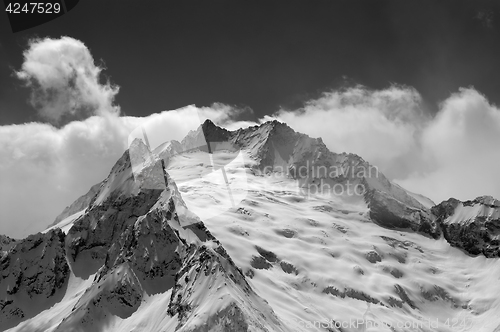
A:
x,y
473,226
33,275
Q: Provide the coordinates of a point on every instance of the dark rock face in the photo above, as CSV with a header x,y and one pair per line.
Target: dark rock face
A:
x,y
213,133
124,298
35,270
205,138
288,268
400,291
210,270
136,243
389,212
229,319
259,262
277,145
373,257
393,271
473,226
103,224
351,293
268,255
445,209
151,248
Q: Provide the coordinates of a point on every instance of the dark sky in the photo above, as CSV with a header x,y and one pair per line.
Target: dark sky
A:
x,y
266,54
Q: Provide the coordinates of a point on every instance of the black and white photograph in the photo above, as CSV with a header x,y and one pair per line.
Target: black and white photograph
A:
x,y
250,166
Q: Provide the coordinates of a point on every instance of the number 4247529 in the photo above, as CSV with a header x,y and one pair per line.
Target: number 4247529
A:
x,y
34,7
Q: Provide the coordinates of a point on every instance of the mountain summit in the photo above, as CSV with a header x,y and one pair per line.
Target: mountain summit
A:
x,y
275,147
324,237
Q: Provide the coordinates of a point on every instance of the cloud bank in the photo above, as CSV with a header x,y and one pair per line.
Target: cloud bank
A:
x,y
379,125
452,154
44,168
460,150
65,81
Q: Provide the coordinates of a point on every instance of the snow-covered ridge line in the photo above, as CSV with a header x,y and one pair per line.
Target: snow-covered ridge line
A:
x,y
134,244
138,259
275,146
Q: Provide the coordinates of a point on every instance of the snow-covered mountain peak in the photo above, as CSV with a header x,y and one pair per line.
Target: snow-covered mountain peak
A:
x,y
135,246
274,147
131,256
471,225
278,148
455,211
485,200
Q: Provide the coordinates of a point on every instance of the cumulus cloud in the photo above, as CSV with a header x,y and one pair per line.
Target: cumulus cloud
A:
x,y
45,168
460,150
65,81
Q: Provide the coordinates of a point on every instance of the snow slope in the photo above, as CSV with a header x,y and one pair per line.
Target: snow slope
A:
x,y
320,258
273,147
270,254
135,251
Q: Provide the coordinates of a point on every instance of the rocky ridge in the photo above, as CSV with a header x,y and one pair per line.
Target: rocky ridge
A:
x,y
473,226
33,273
277,147
274,146
136,239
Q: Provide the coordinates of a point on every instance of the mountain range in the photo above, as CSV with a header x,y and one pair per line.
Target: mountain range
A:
x,y
257,229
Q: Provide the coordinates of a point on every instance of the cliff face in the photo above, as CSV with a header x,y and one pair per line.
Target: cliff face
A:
x,y
391,213
471,225
33,275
